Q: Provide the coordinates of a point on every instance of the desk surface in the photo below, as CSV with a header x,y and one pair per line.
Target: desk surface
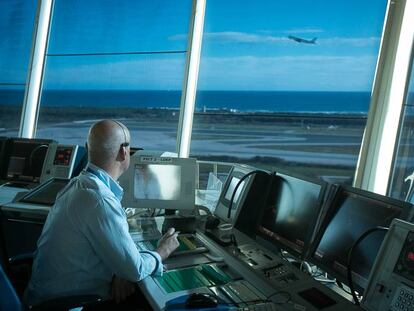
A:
x,y
7,194
239,277
238,280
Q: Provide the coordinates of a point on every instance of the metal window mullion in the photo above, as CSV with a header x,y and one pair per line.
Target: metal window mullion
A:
x,y
188,94
381,133
30,109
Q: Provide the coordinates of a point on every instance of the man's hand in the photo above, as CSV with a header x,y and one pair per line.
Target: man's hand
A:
x,y
121,289
167,244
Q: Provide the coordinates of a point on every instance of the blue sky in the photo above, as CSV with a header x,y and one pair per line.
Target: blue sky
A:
x,y
245,47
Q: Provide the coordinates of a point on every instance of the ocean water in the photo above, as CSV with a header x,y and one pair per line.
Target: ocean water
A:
x,y
244,101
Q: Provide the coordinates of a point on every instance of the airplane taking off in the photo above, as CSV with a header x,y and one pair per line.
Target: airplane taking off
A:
x,y
300,40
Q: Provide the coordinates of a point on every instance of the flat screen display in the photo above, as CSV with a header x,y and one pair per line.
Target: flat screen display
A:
x,y
237,173
289,222
62,156
157,181
25,159
233,183
353,214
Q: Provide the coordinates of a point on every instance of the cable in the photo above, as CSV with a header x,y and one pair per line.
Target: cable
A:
x,y
284,256
236,249
341,286
31,157
258,301
349,260
237,187
153,212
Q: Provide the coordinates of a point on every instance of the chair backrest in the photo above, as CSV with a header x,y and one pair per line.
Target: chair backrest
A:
x,y
9,301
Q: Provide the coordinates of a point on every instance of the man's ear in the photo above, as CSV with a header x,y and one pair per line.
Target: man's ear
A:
x,y
122,152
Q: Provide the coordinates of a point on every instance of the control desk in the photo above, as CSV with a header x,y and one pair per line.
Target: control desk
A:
x,y
236,256
247,276
23,214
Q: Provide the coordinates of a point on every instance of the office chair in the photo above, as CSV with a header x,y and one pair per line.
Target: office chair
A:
x,y
19,270
10,301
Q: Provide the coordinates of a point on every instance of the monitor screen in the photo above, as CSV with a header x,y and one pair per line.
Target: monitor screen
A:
x,y
25,159
352,213
153,181
62,156
289,220
223,204
159,182
233,183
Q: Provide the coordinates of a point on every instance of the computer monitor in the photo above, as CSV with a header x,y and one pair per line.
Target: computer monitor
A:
x,y
236,174
159,182
3,141
24,159
351,213
61,161
289,218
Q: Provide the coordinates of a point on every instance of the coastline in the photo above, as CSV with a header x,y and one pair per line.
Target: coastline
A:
x,y
53,114
302,142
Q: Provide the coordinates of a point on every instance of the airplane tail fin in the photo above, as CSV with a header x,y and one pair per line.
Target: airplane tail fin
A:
x,y
314,40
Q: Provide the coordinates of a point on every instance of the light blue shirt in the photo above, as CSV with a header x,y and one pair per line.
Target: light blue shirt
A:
x,y
85,241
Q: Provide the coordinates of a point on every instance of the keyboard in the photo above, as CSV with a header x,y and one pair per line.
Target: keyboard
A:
x,y
189,244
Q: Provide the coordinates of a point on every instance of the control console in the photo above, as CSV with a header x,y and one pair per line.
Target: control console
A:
x,y
391,282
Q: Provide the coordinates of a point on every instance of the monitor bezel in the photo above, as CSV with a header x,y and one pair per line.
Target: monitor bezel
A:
x,y
8,153
3,142
186,200
222,206
332,208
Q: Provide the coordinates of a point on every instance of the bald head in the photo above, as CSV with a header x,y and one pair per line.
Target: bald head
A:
x,y
104,142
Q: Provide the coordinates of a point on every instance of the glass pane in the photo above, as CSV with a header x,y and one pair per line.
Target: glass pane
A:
x,y
104,26
121,61
402,181
287,84
16,28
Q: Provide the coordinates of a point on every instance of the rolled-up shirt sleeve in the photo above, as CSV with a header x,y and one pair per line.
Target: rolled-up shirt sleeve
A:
x,y
106,229
158,269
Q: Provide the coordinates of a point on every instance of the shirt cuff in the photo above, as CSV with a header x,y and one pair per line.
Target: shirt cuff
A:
x,y
158,269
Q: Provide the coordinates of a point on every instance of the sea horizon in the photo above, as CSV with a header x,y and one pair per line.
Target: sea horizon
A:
x,y
234,101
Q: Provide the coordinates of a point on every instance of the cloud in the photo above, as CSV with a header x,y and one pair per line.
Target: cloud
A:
x,y
136,74
303,30
350,41
307,72
245,37
242,37
235,37
317,73
178,37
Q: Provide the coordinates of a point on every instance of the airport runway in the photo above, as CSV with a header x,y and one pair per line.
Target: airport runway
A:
x,y
237,142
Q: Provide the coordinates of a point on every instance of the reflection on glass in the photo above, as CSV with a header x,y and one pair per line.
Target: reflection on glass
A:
x,y
118,60
233,183
402,180
16,28
287,84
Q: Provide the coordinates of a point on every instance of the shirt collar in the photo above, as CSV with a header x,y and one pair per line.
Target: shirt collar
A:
x,y
106,179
